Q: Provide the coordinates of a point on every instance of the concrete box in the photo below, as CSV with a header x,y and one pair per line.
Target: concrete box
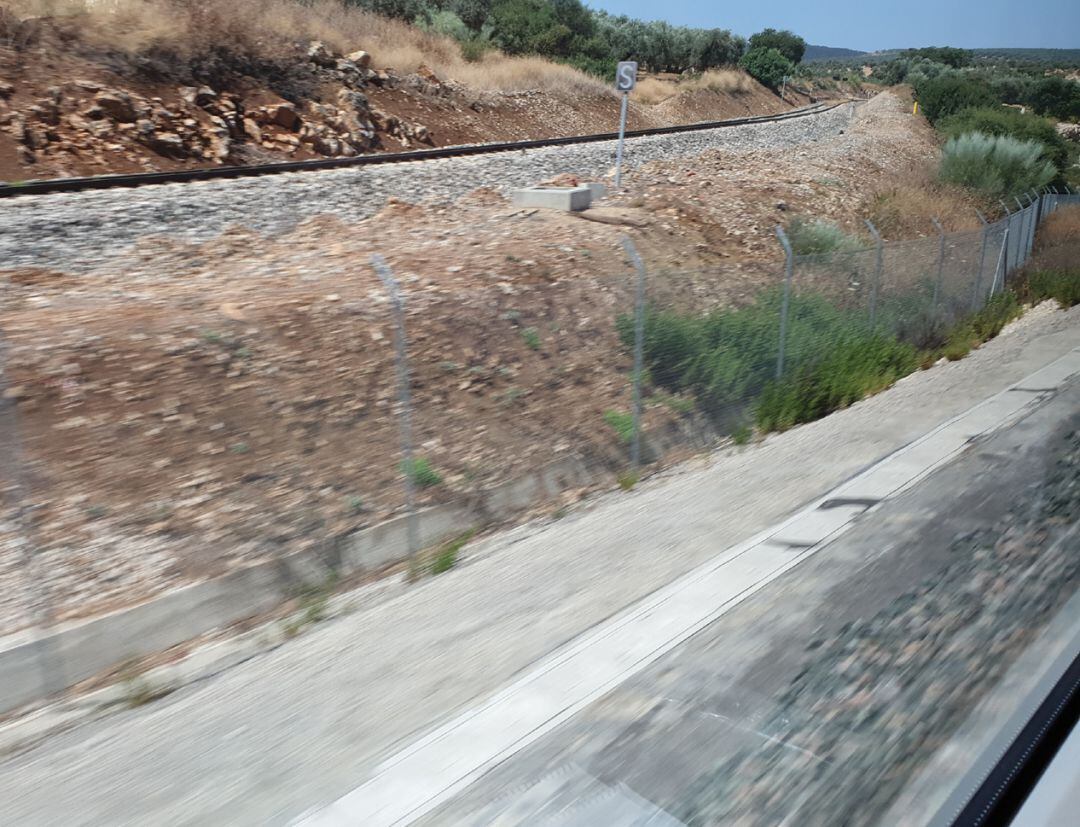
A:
x,y
553,198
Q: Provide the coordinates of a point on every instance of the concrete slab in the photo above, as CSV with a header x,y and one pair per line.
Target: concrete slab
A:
x,y
568,199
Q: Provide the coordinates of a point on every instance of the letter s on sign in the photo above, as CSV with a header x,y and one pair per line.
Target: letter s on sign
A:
x,y
626,75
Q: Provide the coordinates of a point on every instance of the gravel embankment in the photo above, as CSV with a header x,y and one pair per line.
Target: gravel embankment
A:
x,y
78,231
884,695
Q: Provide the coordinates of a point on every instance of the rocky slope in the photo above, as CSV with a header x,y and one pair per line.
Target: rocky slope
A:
x,y
67,109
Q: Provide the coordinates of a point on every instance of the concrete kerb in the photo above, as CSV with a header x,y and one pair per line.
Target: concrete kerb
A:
x,y
91,647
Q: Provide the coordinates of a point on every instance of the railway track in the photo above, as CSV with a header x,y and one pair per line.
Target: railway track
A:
x,y
98,182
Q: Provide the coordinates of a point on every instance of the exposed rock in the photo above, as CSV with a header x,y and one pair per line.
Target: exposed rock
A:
x,y
320,55
198,96
117,105
251,130
6,90
283,115
361,58
169,144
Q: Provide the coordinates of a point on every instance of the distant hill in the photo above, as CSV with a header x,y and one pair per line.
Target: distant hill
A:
x,y
829,53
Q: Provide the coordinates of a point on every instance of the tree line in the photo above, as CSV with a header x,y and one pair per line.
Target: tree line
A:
x,y
568,31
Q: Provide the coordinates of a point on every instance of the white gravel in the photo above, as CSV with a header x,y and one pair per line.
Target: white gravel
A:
x,y
80,231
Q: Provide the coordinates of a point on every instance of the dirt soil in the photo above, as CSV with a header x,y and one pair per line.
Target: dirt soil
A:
x,y
53,122
196,407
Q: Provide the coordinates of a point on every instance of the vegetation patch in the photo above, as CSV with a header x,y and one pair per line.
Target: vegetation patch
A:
x,y
997,166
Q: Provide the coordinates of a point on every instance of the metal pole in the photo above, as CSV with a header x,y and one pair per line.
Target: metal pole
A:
x,y
639,349
877,273
40,605
386,275
622,138
982,259
1008,226
788,271
1036,220
783,88
1000,262
940,262
1018,258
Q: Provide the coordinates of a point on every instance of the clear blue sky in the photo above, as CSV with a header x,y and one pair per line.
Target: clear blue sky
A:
x,y
879,24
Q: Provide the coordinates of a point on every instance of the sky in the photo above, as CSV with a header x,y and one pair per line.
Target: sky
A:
x,y
880,24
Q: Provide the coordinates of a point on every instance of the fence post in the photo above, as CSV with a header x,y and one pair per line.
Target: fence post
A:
x,y
940,262
1036,220
386,276
982,260
639,349
789,268
1018,259
877,273
39,605
998,268
1008,226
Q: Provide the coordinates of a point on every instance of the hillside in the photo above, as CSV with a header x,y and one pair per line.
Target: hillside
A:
x,y
829,53
92,93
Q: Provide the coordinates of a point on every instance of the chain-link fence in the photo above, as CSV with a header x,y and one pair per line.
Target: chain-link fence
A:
x,y
214,430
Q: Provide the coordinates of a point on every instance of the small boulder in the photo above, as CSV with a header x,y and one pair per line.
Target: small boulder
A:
x,y
318,54
168,143
285,116
361,58
116,105
6,90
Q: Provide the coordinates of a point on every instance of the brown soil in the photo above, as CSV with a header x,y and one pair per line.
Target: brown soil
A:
x,y
196,407
410,111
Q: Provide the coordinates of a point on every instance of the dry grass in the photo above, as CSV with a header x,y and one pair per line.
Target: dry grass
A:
x,y
1057,244
271,29
905,209
651,90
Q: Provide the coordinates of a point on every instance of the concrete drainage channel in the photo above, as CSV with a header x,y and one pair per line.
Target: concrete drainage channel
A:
x,y
90,648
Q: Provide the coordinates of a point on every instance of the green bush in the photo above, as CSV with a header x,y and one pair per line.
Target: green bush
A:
x,y
995,166
621,423
819,236
789,44
1055,96
852,369
421,473
1061,285
982,325
948,94
1001,120
767,65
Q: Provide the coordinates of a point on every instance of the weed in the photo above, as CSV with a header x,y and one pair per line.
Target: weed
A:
x,y
421,472
96,512
677,404
817,237
354,504
511,395
240,448
847,372
742,434
449,367
212,337
622,424
446,557
1061,285
531,337
627,480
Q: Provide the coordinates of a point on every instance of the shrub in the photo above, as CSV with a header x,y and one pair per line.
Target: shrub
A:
x,y
531,337
421,473
849,371
767,65
1061,285
1000,120
995,166
789,44
982,325
948,94
819,236
1055,96
621,423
